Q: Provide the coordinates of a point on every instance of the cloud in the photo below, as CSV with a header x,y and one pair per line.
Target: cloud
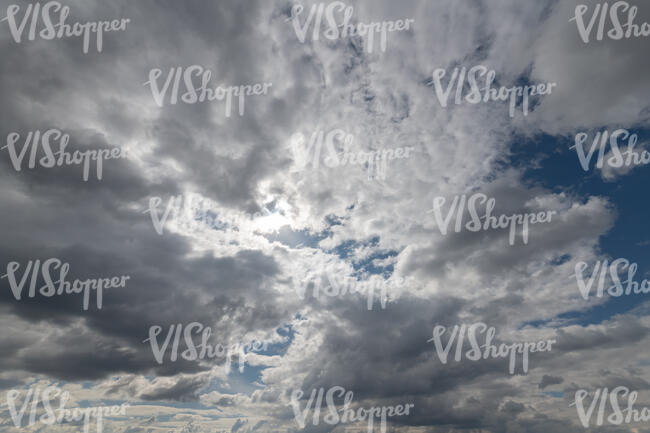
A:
x,y
548,380
240,280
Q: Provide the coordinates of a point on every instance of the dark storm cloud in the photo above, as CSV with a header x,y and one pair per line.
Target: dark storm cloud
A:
x,y
152,297
98,226
186,389
548,380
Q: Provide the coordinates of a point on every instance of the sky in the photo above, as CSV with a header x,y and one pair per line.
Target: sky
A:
x,y
266,226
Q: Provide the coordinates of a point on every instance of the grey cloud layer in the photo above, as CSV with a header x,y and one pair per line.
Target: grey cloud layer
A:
x,y
242,285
